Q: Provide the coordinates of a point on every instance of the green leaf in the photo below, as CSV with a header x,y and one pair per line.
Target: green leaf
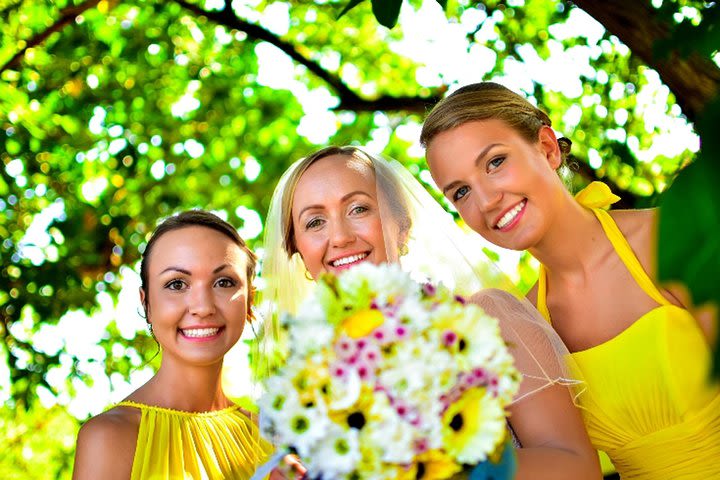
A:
x,y
386,11
689,245
350,5
689,249
443,3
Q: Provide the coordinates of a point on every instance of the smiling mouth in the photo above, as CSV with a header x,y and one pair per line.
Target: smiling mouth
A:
x,y
511,214
200,332
340,262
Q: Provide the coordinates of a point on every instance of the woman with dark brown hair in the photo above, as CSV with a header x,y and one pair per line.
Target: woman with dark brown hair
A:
x,y
197,290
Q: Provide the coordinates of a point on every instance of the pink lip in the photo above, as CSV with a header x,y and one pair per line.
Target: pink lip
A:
x,y
221,329
514,221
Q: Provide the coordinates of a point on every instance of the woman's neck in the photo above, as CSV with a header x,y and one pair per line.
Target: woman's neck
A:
x,y
186,388
570,245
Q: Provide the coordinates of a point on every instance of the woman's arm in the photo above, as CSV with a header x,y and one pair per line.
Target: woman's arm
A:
x,y
554,441
640,228
555,444
105,447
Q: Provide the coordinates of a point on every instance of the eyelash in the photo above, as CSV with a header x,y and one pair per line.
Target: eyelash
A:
x,y
231,282
313,223
458,195
492,163
172,284
316,222
364,209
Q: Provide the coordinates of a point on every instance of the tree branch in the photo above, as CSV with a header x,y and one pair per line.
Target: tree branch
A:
x,y
349,100
694,80
67,16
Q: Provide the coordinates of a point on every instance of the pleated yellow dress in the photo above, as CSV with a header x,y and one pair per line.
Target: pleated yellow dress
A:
x,y
649,403
171,444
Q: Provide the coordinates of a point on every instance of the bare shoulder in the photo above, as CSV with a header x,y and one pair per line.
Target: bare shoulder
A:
x,y
106,444
496,302
639,227
491,294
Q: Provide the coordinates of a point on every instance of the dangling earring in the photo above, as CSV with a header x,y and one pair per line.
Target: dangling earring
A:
x,y
402,250
308,275
150,330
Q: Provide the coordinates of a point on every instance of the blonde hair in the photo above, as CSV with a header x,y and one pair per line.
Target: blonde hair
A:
x,y
384,178
487,101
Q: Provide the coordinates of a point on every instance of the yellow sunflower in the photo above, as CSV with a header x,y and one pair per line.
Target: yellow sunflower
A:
x,y
473,426
435,465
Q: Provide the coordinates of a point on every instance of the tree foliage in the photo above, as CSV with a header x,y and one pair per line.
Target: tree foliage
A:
x,y
114,114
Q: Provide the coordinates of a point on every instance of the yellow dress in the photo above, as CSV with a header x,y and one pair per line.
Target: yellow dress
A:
x,y
649,404
171,444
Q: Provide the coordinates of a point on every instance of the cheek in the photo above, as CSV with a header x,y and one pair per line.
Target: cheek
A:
x,y
371,229
308,246
470,217
163,306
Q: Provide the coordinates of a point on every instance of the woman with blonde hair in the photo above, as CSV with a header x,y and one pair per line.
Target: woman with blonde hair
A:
x,y
340,207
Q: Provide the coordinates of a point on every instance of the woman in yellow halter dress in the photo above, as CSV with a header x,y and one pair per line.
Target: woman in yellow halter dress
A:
x,y
650,402
196,289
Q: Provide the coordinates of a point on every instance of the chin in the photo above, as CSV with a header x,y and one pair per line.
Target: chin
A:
x,y
515,244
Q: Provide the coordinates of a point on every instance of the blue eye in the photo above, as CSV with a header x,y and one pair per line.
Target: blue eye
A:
x,y
460,193
495,163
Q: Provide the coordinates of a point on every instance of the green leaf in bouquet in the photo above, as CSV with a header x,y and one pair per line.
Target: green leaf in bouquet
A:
x,y
329,296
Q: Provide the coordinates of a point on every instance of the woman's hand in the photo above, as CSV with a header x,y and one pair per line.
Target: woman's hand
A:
x,y
292,470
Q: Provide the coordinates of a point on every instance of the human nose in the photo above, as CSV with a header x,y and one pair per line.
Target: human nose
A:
x,y
201,301
341,233
486,196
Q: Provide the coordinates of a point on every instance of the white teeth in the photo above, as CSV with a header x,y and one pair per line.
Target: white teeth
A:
x,y
352,258
200,332
510,215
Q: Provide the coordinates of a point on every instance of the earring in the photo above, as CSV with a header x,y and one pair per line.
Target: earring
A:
x,y
150,330
308,276
402,250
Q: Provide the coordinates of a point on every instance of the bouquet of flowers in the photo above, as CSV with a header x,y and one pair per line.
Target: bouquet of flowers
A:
x,y
390,379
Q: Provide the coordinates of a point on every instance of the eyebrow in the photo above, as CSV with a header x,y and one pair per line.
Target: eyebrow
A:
x,y
343,199
187,272
478,159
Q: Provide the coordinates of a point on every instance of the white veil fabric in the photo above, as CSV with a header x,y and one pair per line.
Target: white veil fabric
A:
x,y
428,243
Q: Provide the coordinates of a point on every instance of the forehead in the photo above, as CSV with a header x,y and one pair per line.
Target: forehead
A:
x,y
476,130
333,177
195,246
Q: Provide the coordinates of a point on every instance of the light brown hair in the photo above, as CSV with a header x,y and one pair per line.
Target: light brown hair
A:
x,y
488,101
